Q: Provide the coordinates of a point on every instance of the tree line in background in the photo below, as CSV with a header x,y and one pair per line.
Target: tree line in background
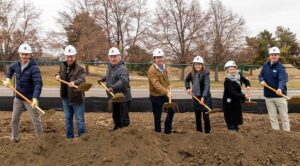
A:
x,y
180,27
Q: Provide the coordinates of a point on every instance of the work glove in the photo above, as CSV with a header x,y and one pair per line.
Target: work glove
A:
x,y
6,82
34,102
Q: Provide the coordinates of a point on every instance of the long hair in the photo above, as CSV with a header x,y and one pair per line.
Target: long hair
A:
x,y
201,72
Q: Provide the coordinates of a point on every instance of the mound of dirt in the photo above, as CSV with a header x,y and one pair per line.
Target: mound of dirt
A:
x,y
255,144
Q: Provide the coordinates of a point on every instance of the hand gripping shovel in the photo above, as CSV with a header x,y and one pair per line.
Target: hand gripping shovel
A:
x,y
204,105
81,88
293,100
170,105
116,98
249,102
44,113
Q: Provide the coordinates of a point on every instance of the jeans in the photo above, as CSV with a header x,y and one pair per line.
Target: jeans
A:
x,y
18,108
157,103
69,111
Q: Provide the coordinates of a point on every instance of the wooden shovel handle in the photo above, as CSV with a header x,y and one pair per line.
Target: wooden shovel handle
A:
x,y
65,82
272,89
200,102
104,86
248,91
25,98
170,93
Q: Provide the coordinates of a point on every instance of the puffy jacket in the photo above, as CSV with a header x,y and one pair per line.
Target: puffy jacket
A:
x,y
275,76
29,82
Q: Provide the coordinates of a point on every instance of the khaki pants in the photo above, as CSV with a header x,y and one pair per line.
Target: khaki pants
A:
x,y
19,107
280,105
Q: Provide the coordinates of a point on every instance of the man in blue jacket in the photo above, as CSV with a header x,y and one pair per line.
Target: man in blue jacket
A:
x,y
273,73
29,83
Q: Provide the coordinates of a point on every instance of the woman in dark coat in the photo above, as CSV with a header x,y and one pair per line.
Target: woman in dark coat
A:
x,y
233,96
199,77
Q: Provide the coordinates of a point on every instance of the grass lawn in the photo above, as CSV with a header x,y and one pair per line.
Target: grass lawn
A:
x,y
136,81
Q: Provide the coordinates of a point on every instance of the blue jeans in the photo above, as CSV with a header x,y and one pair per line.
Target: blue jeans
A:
x,y
157,104
69,111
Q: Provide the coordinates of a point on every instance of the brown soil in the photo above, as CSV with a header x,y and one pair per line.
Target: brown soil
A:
x,y
255,144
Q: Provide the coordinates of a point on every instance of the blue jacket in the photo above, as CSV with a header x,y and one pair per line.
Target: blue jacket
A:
x,y
275,76
29,82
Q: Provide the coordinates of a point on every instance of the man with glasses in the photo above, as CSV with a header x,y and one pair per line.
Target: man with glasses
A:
x,y
29,83
273,73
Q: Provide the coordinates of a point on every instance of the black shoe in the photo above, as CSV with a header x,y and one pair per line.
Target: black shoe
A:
x,y
168,132
16,140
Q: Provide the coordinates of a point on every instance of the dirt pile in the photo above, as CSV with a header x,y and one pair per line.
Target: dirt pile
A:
x,y
255,144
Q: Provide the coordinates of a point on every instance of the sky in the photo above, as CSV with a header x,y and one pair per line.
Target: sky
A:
x,y
258,14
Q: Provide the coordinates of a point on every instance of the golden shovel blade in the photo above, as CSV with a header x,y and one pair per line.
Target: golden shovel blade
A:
x,y
48,113
118,98
84,87
215,110
294,100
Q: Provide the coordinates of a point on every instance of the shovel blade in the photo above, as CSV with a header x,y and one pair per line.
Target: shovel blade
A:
x,y
215,110
84,87
294,100
250,103
118,98
49,113
172,106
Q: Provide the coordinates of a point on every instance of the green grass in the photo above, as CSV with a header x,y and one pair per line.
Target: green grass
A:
x,y
48,73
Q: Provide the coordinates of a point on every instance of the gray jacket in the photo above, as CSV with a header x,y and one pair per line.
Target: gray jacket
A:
x,y
117,77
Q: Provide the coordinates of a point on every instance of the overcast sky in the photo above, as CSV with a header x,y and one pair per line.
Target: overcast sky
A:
x,y
259,14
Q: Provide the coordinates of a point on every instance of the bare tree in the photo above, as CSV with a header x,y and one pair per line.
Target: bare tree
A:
x,y
18,24
176,27
224,34
124,22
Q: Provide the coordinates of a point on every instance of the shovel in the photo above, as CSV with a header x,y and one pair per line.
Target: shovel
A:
x,y
204,105
44,113
81,88
116,98
170,105
293,100
249,102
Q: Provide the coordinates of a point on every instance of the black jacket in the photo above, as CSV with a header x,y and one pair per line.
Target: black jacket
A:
x,y
232,101
78,76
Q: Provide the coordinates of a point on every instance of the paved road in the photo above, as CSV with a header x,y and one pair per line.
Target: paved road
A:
x,y
139,93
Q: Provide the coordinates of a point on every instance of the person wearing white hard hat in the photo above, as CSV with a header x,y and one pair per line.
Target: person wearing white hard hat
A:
x,y
273,73
73,101
29,83
117,81
233,96
159,91
199,77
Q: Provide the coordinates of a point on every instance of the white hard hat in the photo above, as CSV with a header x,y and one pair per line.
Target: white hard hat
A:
x,y
230,64
25,48
70,50
113,51
274,50
198,59
158,52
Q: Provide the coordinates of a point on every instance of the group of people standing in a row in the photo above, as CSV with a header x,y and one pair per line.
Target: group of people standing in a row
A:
x,y
197,83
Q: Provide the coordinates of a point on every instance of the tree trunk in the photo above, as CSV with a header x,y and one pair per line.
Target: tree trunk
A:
x,y
87,70
217,73
251,71
182,73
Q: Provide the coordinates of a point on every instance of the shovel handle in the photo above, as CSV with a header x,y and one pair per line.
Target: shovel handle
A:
x,y
104,86
25,98
201,103
272,89
170,94
65,82
248,91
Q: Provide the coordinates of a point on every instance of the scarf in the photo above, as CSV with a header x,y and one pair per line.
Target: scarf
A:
x,y
235,78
